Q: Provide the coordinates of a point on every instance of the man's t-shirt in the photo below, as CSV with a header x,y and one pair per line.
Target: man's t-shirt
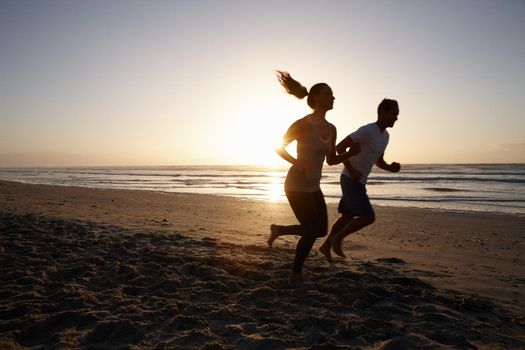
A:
x,y
373,143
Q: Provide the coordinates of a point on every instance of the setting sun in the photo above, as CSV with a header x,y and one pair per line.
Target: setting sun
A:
x,y
256,126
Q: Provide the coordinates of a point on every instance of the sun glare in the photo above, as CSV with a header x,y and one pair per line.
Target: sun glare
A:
x,y
257,130
274,188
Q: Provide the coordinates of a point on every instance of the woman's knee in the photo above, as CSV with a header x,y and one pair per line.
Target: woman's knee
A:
x,y
314,230
322,230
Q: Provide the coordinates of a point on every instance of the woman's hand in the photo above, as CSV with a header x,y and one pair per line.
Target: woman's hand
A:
x,y
355,149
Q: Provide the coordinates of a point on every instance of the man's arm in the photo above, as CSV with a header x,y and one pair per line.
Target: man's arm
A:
x,y
341,148
393,168
338,154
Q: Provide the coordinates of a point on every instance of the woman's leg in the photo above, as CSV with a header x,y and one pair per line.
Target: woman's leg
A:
x,y
322,212
282,230
310,210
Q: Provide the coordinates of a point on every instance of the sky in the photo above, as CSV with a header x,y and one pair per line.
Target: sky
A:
x,y
86,83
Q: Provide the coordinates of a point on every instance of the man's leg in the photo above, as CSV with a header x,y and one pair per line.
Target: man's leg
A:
x,y
325,249
353,226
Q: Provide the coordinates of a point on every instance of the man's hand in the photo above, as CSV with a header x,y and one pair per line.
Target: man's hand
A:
x,y
395,167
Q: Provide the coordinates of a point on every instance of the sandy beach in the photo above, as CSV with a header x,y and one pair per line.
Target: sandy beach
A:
x,y
91,268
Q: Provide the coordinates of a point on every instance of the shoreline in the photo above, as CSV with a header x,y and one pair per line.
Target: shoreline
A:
x,y
258,199
422,270
331,206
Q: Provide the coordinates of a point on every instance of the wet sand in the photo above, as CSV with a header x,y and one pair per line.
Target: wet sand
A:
x,y
88,268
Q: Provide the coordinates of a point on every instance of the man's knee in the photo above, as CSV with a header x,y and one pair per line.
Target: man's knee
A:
x,y
344,220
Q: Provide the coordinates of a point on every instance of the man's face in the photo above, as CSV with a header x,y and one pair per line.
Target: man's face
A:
x,y
390,116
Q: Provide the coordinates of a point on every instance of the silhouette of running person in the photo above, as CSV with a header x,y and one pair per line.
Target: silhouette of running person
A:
x,y
355,208
315,142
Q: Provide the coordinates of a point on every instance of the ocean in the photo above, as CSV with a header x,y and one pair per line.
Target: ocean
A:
x,y
458,187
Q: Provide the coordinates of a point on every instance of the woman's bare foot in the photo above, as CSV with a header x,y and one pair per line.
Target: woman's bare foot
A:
x,y
336,246
274,233
295,278
325,249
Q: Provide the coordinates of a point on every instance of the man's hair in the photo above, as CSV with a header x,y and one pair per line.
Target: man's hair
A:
x,y
385,105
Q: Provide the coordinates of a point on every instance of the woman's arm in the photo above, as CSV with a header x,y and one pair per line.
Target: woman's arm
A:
x,y
338,154
290,135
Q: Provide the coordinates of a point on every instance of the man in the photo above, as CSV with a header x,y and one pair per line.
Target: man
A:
x,y
355,208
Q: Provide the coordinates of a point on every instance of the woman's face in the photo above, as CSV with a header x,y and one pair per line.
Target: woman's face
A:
x,y
324,99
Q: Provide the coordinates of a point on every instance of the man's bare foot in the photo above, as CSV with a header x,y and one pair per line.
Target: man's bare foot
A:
x,y
336,246
295,278
274,233
325,250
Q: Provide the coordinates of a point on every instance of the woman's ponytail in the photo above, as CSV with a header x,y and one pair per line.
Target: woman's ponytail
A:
x,y
292,86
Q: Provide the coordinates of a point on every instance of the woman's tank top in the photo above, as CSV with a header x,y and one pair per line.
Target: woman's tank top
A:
x,y
311,148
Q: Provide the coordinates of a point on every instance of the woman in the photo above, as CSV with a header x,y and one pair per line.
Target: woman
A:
x,y
315,141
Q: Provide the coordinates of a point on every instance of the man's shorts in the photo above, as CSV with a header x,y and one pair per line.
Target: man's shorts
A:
x,y
354,201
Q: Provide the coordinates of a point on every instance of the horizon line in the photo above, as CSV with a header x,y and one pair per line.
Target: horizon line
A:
x,y
218,165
